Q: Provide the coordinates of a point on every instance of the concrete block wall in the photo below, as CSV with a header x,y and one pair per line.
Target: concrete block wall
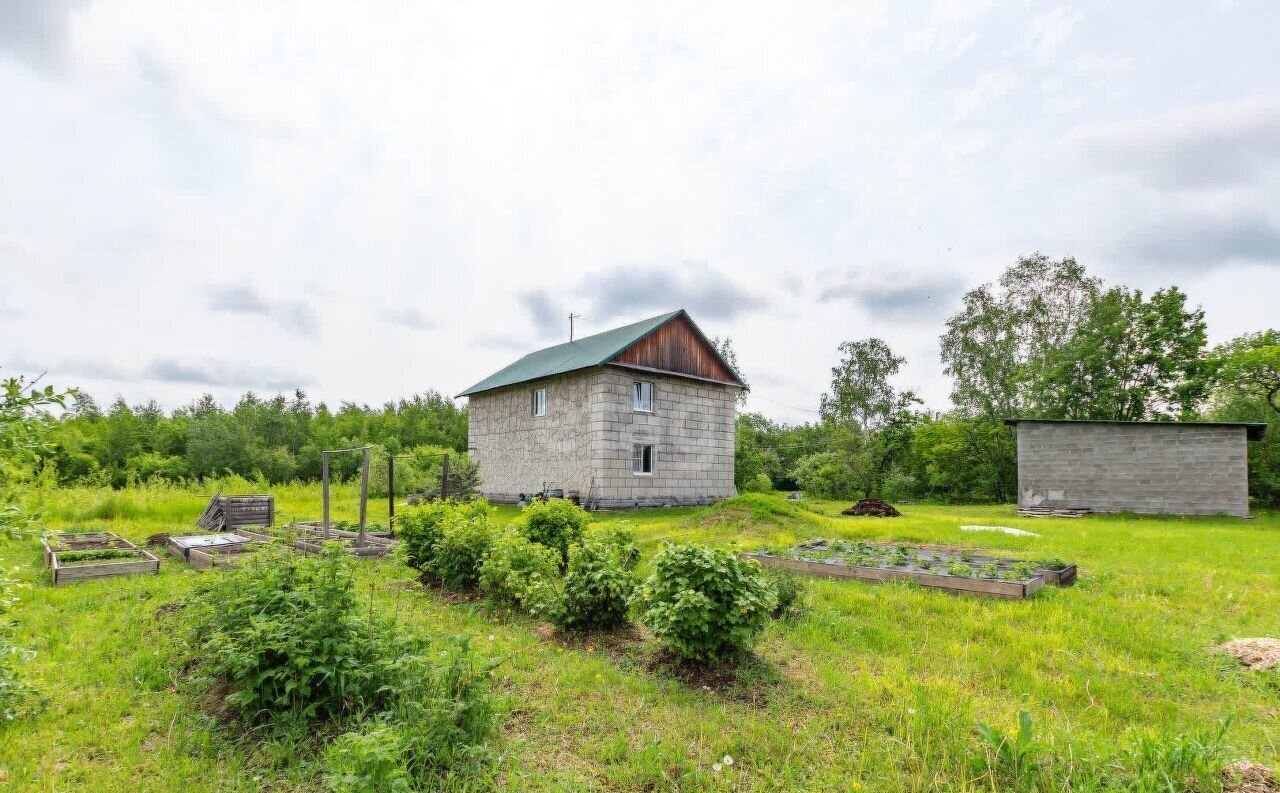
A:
x,y
1146,468
585,441
691,429
518,451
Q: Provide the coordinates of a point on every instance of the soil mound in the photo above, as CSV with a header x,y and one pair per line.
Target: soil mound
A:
x,y
1243,776
1254,653
156,540
873,507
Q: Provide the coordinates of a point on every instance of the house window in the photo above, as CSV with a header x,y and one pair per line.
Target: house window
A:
x,y
641,459
642,397
540,402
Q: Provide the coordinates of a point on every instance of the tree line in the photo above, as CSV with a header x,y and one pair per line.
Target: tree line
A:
x,y
276,439
1047,340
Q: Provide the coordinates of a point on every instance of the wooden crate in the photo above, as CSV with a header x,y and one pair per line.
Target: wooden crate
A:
x,y
981,587
82,541
105,568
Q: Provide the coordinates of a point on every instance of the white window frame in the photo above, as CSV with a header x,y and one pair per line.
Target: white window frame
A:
x,y
538,402
637,459
637,396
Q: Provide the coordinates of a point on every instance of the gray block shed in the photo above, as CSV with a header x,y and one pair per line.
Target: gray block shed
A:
x,y
1178,468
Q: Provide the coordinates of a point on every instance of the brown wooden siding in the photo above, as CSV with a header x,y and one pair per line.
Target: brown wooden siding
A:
x,y
677,347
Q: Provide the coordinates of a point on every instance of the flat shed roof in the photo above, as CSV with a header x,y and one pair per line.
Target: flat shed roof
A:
x,y
1254,430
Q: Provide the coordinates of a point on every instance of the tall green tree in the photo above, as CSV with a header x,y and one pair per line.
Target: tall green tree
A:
x,y
1250,366
861,394
1130,359
1001,339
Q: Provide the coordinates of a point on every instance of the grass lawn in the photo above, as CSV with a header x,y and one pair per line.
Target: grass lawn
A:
x,y
871,688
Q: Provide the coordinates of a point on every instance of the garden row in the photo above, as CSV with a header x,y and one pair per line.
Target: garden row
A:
x,y
956,571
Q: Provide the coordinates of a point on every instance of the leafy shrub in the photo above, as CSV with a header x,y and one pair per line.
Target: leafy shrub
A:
x,y
706,604
461,550
596,591
436,722
514,565
760,483
557,524
288,636
787,586
419,528
14,690
371,761
621,537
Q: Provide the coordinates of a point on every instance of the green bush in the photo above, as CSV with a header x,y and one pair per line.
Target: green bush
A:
x,y
706,604
760,483
514,565
14,690
419,528
370,761
557,524
787,586
461,550
596,591
287,634
435,725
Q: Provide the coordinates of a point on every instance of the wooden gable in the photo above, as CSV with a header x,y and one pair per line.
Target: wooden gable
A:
x,y
680,348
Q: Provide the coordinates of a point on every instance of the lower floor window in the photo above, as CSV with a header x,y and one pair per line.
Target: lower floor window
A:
x,y
641,459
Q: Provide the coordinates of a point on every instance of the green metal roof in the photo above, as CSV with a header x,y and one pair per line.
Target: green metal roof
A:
x,y
577,354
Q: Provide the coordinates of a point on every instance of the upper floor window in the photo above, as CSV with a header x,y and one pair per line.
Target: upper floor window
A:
x,y
642,396
540,402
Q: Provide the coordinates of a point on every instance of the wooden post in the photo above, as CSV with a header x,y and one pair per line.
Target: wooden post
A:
x,y
391,491
364,496
324,490
444,480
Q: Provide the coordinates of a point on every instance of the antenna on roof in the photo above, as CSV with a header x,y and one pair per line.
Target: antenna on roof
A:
x,y
572,317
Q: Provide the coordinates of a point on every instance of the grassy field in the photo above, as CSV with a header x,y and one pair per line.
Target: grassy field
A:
x,y
871,688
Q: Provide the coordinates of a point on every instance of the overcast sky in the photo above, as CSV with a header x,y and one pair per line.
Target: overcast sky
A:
x,y
367,200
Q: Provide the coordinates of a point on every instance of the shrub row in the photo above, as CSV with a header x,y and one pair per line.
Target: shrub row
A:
x,y
705,604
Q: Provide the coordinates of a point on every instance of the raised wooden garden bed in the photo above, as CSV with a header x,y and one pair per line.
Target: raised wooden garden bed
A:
x,y
203,551
82,541
68,567
951,571
310,541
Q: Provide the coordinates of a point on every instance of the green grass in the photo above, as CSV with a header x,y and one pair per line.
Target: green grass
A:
x,y
872,688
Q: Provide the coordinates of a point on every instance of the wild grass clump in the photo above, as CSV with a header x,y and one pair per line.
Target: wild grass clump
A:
x,y
706,604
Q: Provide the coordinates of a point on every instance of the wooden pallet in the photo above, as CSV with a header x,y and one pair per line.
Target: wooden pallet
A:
x,y
106,568
1043,511
228,513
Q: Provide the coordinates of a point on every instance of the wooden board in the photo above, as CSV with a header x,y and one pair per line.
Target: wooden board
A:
x,y
221,556
981,587
679,347
107,568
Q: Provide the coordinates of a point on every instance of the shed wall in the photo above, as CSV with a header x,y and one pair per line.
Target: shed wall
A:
x,y
1144,468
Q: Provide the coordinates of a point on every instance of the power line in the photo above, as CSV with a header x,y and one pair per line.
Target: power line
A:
x,y
785,405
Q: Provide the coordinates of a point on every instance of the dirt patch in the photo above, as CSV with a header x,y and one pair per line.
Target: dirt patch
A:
x,y
1254,653
157,540
167,609
873,508
1243,776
